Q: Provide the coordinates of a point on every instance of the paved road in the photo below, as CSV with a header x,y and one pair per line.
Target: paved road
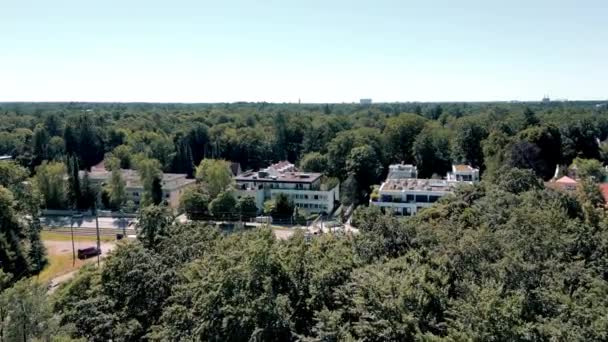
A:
x,y
87,222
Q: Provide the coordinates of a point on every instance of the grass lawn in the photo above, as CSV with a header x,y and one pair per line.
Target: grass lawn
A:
x,y
59,253
59,264
54,236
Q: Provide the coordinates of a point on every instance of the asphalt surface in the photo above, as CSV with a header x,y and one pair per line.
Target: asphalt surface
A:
x,y
87,222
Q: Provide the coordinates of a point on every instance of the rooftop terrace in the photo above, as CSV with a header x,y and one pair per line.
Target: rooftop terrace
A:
x,y
133,180
412,184
286,177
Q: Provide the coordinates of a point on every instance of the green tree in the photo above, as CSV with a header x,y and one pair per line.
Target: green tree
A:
x,y
13,260
283,207
12,174
518,180
246,207
215,174
255,309
153,223
530,117
349,190
40,143
149,172
432,151
401,131
589,168
537,148
117,188
363,163
51,183
157,191
88,193
123,153
73,187
223,207
194,202
53,125
27,313
340,147
56,148
138,283
90,145
495,154
466,143
314,162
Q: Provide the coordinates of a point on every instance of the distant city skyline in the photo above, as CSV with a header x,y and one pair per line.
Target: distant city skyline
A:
x,y
314,51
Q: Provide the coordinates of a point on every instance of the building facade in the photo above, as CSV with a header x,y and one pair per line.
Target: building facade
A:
x,y
305,189
173,184
404,194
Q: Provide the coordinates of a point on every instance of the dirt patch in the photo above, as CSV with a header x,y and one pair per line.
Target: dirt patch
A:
x,y
60,259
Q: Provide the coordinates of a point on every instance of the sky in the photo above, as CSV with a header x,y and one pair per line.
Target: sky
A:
x,y
308,50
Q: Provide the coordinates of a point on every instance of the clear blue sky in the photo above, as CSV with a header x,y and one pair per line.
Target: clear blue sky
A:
x,y
319,51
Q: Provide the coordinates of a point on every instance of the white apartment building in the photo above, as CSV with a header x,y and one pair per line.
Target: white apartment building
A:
x,y
463,173
404,194
304,189
401,171
173,184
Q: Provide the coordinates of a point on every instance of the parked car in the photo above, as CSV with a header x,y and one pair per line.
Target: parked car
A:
x,y
88,252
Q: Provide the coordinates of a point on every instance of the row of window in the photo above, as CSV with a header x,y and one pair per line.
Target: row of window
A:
x,y
311,206
411,199
306,196
136,194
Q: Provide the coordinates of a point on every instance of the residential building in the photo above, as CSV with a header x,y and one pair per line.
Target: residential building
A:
x,y
401,171
307,190
408,196
173,184
563,183
365,102
463,173
7,157
404,194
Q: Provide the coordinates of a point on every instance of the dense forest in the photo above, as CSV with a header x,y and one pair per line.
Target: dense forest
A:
x,y
506,259
351,142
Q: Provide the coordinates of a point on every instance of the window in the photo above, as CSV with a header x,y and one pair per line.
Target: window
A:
x,y
422,199
305,196
316,197
410,198
433,199
166,195
135,193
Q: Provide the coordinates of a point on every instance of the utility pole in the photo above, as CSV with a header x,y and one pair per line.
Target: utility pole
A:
x,y
72,232
97,228
122,222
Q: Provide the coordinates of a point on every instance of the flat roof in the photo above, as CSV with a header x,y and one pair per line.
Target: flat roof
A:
x,y
416,184
464,168
132,178
285,177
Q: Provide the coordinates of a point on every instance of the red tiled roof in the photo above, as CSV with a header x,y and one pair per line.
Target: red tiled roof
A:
x,y
566,180
604,191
